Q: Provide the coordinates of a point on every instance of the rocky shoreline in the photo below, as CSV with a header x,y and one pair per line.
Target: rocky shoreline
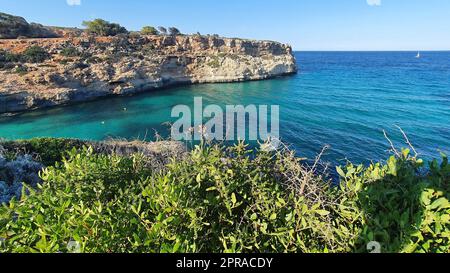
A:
x,y
80,69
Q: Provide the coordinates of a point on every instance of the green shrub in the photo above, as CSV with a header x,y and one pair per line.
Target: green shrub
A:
x,y
48,150
228,199
174,31
8,57
35,54
21,69
87,199
148,30
404,210
7,60
104,28
162,30
215,62
70,52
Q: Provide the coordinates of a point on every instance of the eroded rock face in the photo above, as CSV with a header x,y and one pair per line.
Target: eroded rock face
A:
x,y
123,65
12,27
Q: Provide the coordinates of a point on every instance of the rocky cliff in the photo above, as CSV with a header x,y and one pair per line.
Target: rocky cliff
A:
x,y
12,27
85,68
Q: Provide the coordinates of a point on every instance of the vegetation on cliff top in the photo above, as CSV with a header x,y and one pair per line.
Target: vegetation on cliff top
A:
x,y
227,199
13,27
104,28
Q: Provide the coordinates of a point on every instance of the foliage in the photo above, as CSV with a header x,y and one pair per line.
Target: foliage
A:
x,y
162,30
47,150
21,69
214,62
148,30
70,52
229,199
404,211
174,31
87,199
104,28
35,54
8,57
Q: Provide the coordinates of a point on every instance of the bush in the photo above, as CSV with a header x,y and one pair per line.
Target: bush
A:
x,y
230,199
174,31
404,210
80,200
35,54
46,150
7,57
162,30
21,69
148,30
104,28
70,52
7,60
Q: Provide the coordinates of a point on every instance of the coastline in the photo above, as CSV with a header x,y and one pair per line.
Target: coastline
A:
x,y
120,66
138,92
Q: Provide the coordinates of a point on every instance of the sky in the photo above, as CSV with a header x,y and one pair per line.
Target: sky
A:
x,y
304,24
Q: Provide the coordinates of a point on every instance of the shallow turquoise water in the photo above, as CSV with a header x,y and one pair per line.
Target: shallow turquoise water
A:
x,y
341,99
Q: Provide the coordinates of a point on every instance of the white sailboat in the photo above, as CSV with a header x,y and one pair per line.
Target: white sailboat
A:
x,y
418,55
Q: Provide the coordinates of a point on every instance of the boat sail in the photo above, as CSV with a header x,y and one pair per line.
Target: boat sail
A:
x,y
418,55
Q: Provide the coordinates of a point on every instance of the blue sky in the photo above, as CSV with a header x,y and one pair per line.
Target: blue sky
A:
x,y
305,24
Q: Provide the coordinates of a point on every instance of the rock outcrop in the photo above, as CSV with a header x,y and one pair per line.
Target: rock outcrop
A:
x,y
86,68
12,27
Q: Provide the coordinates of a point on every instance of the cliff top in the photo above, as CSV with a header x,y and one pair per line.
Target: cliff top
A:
x,y
17,28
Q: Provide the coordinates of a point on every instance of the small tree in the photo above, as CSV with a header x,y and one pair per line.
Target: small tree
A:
x,y
104,28
174,31
162,30
148,30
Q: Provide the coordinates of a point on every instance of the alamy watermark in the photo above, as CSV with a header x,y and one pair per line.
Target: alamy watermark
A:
x,y
74,247
229,123
374,247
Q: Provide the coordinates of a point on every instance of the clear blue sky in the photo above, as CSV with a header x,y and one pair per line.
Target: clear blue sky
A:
x,y
305,24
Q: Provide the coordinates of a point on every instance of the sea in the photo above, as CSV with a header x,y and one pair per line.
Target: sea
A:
x,y
341,100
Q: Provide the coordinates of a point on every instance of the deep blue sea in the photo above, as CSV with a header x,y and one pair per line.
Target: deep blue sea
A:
x,y
341,99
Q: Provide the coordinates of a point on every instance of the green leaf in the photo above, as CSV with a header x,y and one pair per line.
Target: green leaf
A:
x,y
341,172
322,212
441,203
40,219
233,198
406,152
176,247
273,216
199,178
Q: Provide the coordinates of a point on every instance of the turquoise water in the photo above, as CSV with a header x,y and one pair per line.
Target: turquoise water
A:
x,y
343,99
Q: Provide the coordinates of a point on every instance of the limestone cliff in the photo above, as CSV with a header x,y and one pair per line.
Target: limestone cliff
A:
x,y
85,68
